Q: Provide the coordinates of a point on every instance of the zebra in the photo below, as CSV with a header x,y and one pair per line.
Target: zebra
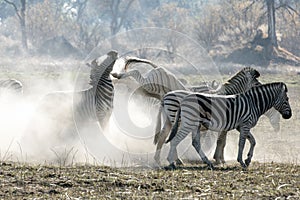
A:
x,y
224,113
158,81
11,86
239,83
62,109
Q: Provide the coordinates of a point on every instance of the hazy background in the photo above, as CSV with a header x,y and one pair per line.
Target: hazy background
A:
x,y
46,44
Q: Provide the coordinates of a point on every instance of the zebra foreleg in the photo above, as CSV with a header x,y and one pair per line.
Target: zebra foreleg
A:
x,y
197,145
242,140
219,152
252,145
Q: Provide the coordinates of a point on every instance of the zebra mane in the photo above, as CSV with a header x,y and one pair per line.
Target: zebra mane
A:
x,y
246,72
278,86
101,70
131,60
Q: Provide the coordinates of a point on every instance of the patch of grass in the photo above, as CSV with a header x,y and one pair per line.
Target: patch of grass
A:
x,y
261,180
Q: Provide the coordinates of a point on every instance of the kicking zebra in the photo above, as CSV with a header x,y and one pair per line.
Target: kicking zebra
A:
x,y
11,86
239,83
59,110
225,113
158,81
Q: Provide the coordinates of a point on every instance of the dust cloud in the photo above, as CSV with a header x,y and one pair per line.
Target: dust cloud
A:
x,y
39,128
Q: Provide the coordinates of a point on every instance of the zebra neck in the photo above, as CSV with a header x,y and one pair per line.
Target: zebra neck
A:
x,y
103,85
229,89
137,76
263,99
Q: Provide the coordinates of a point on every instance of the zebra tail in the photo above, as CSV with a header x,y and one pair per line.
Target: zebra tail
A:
x,y
158,125
175,126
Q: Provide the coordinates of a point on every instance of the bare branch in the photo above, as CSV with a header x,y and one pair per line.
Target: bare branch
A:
x,y
288,7
15,7
124,13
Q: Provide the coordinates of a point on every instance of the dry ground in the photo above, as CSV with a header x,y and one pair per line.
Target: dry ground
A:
x,y
260,181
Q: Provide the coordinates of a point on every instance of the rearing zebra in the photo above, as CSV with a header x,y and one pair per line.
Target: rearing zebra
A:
x,y
239,83
59,110
224,113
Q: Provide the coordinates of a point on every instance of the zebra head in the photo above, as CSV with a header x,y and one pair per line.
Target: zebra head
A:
x,y
282,102
130,60
251,74
241,82
101,68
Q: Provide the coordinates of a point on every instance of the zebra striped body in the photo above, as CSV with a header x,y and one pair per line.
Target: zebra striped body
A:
x,y
241,82
59,110
97,102
11,86
157,81
225,113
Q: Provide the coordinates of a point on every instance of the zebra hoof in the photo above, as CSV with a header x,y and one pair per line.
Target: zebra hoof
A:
x,y
217,161
179,161
244,166
170,167
247,162
211,166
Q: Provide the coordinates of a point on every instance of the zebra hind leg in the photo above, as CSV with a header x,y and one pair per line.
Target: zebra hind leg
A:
x,y
197,145
181,134
219,152
172,155
161,138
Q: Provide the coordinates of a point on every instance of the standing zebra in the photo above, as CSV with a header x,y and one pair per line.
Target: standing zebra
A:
x,y
11,86
59,110
158,82
239,83
224,113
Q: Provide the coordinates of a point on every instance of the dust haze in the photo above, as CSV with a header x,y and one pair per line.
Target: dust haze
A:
x,y
38,126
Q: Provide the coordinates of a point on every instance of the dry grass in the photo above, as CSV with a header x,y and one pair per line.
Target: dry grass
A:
x,y
260,181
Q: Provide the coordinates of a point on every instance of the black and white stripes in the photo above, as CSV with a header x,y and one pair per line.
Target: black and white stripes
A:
x,y
239,83
224,113
97,101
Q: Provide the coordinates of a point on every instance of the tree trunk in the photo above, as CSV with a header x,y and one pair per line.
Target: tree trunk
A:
x,y
271,23
269,48
22,20
23,24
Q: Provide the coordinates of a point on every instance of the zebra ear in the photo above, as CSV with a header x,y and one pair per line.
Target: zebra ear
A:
x,y
256,74
284,87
